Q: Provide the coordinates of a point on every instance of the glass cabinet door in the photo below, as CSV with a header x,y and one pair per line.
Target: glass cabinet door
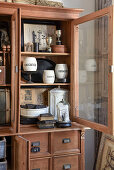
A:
x,y
93,76
8,55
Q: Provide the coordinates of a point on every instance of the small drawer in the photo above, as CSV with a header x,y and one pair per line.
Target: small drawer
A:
x,y
66,163
66,142
40,164
38,144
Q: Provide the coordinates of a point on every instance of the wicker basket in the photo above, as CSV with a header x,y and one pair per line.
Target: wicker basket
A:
x,y
6,0
49,3
3,165
33,2
2,148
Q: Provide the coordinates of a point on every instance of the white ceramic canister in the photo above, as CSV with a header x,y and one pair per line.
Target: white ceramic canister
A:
x,y
61,71
48,76
57,95
30,64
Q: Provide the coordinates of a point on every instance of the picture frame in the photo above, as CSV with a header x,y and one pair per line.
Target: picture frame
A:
x,y
39,30
105,159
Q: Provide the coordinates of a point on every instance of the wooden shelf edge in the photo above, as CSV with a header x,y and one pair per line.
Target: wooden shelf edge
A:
x,y
43,54
5,85
34,129
43,84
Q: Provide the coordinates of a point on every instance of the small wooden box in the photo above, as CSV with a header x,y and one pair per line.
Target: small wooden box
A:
x,y
2,75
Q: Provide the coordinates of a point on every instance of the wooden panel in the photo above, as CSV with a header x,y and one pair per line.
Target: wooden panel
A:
x,y
13,56
61,162
42,140
66,142
40,164
21,154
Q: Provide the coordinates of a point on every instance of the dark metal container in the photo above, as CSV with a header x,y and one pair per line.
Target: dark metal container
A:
x,y
4,106
2,148
3,165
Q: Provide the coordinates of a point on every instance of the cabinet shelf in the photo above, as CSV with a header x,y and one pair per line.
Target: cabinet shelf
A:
x,y
26,129
43,84
43,54
5,85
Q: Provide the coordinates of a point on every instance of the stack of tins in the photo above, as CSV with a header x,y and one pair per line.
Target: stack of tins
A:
x,y
3,162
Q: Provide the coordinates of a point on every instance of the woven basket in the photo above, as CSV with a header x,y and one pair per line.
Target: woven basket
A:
x,y
33,2
6,0
49,3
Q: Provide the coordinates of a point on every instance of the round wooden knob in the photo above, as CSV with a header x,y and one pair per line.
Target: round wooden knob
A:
x,y
4,47
8,47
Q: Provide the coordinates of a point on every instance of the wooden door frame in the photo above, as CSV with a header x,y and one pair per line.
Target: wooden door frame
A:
x,y
75,71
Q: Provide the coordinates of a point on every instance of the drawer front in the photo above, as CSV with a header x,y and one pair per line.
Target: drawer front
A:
x,y
40,164
66,163
66,142
39,144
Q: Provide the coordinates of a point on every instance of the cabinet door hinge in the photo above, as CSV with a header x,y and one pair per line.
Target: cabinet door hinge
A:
x,y
111,68
16,69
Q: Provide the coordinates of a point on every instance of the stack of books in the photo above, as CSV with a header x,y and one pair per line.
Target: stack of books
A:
x,y
46,121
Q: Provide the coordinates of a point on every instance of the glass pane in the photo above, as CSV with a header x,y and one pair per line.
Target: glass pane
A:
x,y
93,70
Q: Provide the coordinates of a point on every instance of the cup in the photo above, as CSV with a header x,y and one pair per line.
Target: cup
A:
x,y
48,76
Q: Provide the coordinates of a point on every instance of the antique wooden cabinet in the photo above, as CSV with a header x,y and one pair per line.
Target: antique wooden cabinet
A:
x,y
91,85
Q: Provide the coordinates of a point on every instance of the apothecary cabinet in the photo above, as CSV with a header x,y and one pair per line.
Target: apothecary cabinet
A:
x,y
90,65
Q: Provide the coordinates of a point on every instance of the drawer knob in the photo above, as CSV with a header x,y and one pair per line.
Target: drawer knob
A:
x,y
66,140
35,144
67,166
35,149
0,70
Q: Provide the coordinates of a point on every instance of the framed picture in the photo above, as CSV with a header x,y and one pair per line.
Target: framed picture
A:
x,y
37,31
105,160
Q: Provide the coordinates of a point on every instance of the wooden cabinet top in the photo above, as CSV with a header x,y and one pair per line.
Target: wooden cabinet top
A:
x,y
29,11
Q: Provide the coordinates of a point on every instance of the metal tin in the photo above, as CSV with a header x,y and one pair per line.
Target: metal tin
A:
x,y
2,148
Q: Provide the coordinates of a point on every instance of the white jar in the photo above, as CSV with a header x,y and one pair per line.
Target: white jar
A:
x,y
61,71
48,76
30,64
